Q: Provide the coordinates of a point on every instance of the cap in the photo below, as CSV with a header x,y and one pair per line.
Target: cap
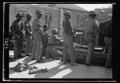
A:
x,y
39,12
28,15
92,13
67,13
19,15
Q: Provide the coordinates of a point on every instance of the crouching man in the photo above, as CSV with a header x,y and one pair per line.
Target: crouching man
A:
x,y
51,52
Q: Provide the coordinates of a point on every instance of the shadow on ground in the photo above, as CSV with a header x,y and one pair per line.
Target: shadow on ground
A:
x,y
81,71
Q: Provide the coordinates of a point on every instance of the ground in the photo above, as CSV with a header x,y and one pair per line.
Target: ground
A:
x,y
57,70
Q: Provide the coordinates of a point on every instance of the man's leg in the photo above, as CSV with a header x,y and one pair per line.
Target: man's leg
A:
x,y
48,52
56,54
16,48
71,51
90,52
20,47
65,58
38,48
106,46
28,45
109,54
33,48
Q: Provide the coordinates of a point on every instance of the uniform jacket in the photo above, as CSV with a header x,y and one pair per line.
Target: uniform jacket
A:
x,y
67,27
91,29
16,28
36,26
27,29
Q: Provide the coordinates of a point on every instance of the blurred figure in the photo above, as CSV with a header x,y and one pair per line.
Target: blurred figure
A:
x,y
68,40
91,30
51,52
16,29
37,36
107,23
28,33
108,43
44,41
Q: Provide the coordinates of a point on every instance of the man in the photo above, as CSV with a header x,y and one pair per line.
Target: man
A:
x,y
68,40
107,23
44,40
16,29
37,36
91,30
108,42
28,33
51,52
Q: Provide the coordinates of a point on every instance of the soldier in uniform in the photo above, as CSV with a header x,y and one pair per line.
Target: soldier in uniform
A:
x,y
37,36
44,40
51,52
28,33
17,28
68,40
91,29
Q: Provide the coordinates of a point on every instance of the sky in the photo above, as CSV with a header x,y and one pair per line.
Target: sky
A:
x,y
90,7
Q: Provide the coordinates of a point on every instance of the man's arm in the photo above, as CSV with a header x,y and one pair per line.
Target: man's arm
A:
x,y
12,28
70,28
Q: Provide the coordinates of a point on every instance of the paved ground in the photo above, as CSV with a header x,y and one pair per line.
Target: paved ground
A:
x,y
57,70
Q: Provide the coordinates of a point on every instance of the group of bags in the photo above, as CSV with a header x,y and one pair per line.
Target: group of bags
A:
x,y
32,70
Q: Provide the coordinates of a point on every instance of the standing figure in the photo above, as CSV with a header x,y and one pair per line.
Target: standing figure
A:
x,y
51,51
37,36
28,33
68,40
108,42
44,40
16,29
91,29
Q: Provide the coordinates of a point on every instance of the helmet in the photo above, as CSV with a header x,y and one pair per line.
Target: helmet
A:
x,y
19,15
39,12
28,15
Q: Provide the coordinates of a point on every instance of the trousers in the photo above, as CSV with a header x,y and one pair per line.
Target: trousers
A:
x,y
51,52
108,41
28,44
37,45
18,46
69,50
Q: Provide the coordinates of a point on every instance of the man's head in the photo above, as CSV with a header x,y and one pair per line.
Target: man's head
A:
x,y
67,15
19,16
92,14
28,17
45,27
39,13
54,32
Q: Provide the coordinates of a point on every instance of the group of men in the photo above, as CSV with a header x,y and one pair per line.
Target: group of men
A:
x,y
44,45
38,41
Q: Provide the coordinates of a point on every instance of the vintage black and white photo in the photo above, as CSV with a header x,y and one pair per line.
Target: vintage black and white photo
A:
x,y
60,41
